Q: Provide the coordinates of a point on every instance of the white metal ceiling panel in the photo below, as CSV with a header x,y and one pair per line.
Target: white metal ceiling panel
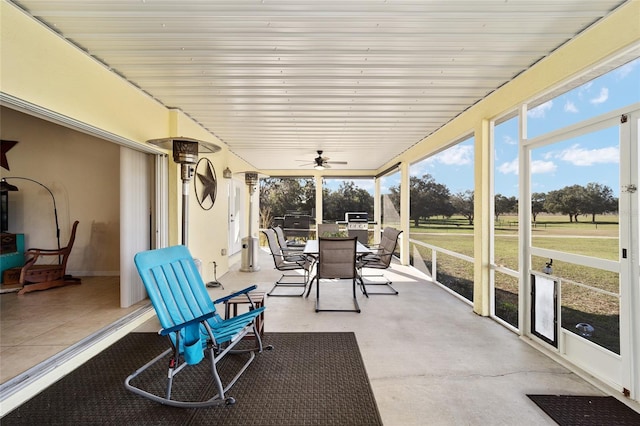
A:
x,y
278,80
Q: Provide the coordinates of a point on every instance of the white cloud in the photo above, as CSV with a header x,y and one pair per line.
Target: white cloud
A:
x,y
587,157
602,97
539,166
416,169
541,110
509,140
584,89
510,167
570,107
626,69
457,155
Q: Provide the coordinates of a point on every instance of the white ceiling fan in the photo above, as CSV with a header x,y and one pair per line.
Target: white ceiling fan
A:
x,y
321,163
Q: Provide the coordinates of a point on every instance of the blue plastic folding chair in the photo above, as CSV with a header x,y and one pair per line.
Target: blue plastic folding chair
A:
x,y
189,318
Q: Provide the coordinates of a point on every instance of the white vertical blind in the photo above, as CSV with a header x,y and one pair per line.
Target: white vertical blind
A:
x,y
135,220
161,197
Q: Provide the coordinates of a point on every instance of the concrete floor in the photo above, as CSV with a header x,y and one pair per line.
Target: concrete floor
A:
x,y
430,359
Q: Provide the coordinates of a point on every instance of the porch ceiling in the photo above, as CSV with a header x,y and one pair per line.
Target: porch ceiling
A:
x,y
278,80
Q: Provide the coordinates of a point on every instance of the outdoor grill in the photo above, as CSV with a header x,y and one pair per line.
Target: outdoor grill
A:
x,y
359,221
297,225
358,225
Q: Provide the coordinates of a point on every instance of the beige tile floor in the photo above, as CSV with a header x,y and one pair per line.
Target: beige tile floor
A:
x,y
429,358
38,325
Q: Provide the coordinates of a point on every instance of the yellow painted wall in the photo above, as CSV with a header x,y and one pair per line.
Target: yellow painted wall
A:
x,y
38,67
41,68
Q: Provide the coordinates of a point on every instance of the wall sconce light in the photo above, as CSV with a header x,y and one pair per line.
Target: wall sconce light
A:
x,y
226,173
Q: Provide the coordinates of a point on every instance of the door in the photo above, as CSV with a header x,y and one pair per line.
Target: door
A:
x,y
135,220
236,207
587,243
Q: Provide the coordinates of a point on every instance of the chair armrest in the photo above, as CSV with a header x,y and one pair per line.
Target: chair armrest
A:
x,y
237,293
375,254
201,318
294,250
44,252
294,244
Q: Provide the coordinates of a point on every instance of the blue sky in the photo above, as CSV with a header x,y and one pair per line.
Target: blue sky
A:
x,y
592,158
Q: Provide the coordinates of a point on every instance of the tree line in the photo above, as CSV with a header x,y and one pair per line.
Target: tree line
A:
x,y
280,196
428,198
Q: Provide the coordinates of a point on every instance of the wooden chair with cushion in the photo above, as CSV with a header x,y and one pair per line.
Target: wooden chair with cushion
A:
x,y
41,276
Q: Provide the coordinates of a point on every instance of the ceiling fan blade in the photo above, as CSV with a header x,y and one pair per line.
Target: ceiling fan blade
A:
x,y
336,162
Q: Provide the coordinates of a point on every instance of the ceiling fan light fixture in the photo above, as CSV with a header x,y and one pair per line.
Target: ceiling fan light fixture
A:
x,y
318,167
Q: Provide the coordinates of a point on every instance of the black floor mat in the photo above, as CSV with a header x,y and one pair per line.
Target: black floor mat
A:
x,y
581,410
307,379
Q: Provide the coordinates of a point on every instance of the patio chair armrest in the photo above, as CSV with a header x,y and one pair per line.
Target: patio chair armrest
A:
x,y
374,257
288,251
377,250
237,293
200,319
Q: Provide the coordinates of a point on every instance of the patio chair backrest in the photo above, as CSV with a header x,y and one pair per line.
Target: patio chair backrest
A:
x,y
282,241
174,285
337,257
276,251
327,228
388,244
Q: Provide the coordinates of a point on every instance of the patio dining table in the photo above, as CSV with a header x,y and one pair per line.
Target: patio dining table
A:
x,y
311,248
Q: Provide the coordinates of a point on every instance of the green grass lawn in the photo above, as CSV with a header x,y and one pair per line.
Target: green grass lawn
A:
x,y
579,304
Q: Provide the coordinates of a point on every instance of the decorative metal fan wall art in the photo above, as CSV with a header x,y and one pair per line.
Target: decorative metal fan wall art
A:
x,y
205,184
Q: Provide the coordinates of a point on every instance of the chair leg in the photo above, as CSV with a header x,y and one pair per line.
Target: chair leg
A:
x,y
280,283
317,294
27,288
176,366
387,283
310,286
361,282
355,300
